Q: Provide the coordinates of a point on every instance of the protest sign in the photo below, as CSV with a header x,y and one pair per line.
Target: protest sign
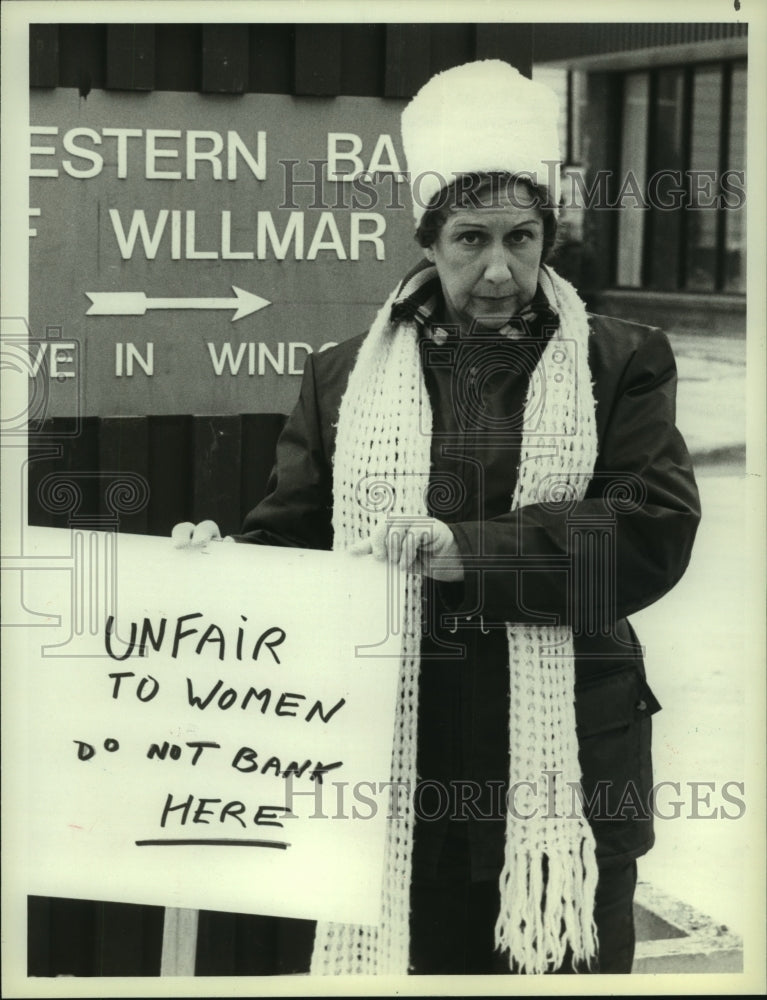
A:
x,y
200,729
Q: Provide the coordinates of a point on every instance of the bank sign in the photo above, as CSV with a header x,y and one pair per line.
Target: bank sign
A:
x,y
187,252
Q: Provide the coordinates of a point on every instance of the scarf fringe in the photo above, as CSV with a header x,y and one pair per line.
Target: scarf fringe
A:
x,y
547,906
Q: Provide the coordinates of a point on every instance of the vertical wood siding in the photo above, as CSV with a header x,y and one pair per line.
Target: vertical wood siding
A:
x,y
193,468
306,60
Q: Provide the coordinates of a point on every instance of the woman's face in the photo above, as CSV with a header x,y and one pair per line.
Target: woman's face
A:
x,y
487,260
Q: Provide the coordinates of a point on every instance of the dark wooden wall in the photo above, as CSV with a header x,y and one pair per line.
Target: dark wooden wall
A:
x,y
74,937
80,937
369,60
192,468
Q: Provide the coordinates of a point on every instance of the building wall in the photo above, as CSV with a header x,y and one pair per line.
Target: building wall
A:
x,y
656,230
370,60
591,43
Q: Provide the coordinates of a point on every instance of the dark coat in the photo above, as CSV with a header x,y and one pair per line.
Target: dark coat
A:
x,y
638,521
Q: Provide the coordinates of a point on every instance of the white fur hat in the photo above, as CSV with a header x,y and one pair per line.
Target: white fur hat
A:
x,y
482,116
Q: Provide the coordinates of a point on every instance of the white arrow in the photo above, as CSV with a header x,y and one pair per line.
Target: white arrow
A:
x,y
137,303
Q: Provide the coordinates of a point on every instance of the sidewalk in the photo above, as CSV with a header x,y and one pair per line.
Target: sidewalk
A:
x,y
697,891
711,400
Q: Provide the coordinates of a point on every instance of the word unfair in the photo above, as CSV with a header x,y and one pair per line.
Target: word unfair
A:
x,y
213,637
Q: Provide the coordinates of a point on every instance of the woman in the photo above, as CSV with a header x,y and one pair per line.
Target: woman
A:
x,y
516,461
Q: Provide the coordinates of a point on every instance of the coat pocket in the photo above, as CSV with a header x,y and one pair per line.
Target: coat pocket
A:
x,y
618,697
613,712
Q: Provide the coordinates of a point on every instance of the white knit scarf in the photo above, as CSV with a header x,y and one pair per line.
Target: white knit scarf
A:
x,y
381,469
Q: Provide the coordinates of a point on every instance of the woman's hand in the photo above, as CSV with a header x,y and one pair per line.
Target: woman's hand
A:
x,y
195,535
423,545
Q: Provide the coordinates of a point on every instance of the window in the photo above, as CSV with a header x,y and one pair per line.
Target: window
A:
x,y
683,140
633,150
734,263
568,85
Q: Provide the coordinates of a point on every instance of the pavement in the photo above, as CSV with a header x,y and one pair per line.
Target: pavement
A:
x,y
712,396
707,674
